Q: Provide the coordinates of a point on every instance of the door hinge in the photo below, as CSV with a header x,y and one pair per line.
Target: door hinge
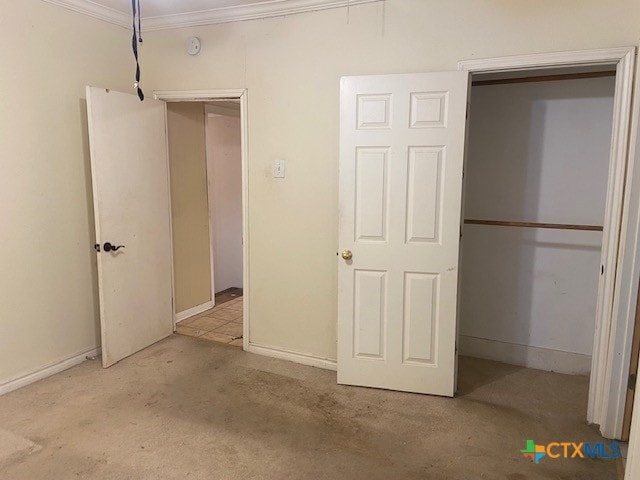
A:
x,y
632,382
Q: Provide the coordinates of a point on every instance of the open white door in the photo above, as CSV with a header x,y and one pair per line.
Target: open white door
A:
x,y
401,160
130,176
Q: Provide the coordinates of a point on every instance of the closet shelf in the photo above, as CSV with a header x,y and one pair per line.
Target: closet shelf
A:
x,y
556,226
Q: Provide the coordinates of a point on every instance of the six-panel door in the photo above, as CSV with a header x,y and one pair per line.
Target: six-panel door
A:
x,y
401,160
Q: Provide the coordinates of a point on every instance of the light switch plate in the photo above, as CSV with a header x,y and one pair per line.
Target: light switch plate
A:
x,y
278,168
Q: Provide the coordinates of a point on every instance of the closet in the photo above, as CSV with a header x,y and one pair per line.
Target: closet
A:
x,y
535,181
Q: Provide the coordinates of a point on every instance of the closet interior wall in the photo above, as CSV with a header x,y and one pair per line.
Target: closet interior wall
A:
x,y
537,152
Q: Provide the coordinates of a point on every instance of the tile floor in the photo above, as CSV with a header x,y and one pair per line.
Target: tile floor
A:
x,y
221,324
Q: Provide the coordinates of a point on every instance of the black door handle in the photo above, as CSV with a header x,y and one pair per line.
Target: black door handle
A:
x,y
108,247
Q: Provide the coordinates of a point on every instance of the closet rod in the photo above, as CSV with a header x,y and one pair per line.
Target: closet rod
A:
x,y
543,78
557,226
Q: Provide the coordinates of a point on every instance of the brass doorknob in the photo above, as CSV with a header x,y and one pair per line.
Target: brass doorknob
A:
x,y
347,255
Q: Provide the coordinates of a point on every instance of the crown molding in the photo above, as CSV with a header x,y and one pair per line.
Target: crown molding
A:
x,y
94,10
265,9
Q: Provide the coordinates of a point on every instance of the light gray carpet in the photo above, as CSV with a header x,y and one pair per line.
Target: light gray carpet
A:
x,y
189,409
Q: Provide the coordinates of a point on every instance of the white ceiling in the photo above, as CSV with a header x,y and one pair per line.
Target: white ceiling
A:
x,y
163,14
155,8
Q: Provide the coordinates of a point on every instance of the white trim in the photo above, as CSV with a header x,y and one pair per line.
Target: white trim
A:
x,y
254,11
207,154
525,355
606,56
191,312
626,298
606,394
632,467
48,370
173,283
244,138
199,95
606,321
92,9
241,95
302,358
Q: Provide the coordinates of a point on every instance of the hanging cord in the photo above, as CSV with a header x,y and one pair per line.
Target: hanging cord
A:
x,y
137,37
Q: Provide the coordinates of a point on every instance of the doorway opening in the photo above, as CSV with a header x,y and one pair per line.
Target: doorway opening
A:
x,y
206,144
542,206
534,205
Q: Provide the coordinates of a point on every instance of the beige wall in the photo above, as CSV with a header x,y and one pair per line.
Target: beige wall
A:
x,y
291,67
190,211
48,296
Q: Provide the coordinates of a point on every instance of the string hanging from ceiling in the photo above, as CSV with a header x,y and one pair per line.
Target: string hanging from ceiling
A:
x,y
137,38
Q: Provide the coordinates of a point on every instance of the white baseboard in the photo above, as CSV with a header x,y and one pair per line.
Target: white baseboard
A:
x,y
180,316
47,371
525,355
303,358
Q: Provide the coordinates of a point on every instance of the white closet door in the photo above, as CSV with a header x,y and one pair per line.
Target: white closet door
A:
x,y
401,159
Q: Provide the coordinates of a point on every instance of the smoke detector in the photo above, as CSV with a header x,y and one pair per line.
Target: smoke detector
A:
x,y
193,45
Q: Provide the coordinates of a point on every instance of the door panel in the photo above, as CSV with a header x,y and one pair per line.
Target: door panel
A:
x,y
369,314
424,183
420,314
401,158
130,179
371,194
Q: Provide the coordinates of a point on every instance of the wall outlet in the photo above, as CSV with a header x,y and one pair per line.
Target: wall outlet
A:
x,y
278,168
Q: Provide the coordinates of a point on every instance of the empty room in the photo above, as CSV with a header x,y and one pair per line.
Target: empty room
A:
x,y
352,239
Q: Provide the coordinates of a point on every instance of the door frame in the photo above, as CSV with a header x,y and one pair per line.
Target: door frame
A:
x,y
241,95
617,290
